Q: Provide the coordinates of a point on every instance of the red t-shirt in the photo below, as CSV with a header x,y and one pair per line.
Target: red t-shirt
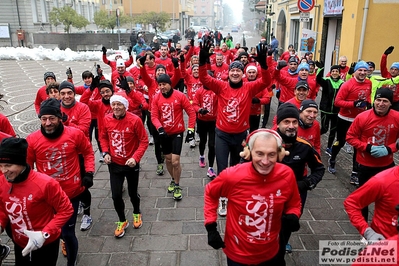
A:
x,y
256,204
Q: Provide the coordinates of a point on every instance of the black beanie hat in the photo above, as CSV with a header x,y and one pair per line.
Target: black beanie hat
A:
x,y
66,85
49,74
105,83
236,64
292,59
287,110
335,67
308,103
160,66
13,151
384,93
243,54
164,78
50,106
172,49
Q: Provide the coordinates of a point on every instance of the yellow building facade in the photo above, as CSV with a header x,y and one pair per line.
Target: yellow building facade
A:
x,y
358,29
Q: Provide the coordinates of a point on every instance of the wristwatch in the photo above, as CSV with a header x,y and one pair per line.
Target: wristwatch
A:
x,y
105,153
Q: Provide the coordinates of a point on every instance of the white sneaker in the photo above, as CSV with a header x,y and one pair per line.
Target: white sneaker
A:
x,y
192,143
197,138
80,208
151,140
86,223
222,210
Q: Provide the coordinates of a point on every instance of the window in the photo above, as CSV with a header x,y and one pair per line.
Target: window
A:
x,y
34,11
202,9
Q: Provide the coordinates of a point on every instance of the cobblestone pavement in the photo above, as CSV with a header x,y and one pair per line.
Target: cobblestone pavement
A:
x,y
173,232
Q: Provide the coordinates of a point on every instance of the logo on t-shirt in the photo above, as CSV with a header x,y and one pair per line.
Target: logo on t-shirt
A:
x,y
232,110
255,223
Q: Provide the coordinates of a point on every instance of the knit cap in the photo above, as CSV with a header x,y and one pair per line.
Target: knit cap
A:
x,y
66,85
287,110
50,106
236,64
384,93
307,104
361,64
13,151
164,78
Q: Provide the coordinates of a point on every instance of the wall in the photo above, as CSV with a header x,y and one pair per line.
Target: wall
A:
x,y
79,42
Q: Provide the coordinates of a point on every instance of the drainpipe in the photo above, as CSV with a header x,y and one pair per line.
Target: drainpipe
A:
x,y
361,44
316,26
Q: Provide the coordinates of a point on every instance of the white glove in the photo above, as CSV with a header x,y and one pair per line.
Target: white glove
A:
x,y
35,242
370,234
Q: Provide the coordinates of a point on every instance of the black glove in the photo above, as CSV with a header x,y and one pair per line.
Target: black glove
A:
x,y
359,103
142,60
104,50
270,51
175,62
389,50
319,64
182,58
214,238
69,73
99,71
94,83
303,185
204,52
273,86
87,180
278,94
255,100
123,84
189,136
281,64
261,51
224,39
192,42
162,133
140,106
170,40
129,50
64,117
203,111
291,221
352,68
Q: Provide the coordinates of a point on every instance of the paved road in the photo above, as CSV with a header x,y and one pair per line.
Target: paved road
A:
x,y
173,232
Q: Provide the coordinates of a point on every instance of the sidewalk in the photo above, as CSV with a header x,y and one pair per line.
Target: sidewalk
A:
x,y
173,232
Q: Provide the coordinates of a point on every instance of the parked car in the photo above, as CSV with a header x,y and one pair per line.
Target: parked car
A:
x,y
168,35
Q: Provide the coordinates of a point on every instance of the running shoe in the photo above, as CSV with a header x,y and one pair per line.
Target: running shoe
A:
x,y
192,143
211,173
86,223
171,186
331,167
328,151
120,228
160,169
63,248
137,222
177,193
80,208
5,250
202,163
354,180
288,248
